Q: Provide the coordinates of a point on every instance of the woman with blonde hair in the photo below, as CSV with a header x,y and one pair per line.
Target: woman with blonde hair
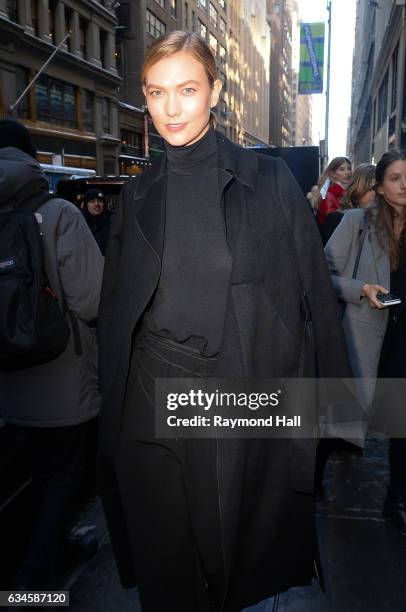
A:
x,y
199,245
375,237
360,193
332,187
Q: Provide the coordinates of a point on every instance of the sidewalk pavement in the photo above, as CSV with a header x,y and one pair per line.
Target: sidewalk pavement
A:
x,y
364,558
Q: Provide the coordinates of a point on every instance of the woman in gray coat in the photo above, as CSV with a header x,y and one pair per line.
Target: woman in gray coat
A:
x,y
376,336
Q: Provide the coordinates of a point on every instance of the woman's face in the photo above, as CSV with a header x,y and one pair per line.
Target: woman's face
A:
x,y
393,187
342,174
367,199
179,98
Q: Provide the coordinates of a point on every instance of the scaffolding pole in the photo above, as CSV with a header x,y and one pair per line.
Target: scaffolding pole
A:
x,y
40,71
329,3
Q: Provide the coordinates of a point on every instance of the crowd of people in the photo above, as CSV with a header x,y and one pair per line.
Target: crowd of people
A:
x,y
213,267
364,236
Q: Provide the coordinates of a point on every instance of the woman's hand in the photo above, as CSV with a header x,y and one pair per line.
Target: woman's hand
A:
x,y
370,291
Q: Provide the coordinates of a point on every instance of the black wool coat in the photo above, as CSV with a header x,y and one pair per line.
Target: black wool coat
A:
x,y
282,320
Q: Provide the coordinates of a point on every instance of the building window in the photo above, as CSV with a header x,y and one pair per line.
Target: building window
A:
x,y
193,21
383,102
88,110
186,20
133,140
223,106
161,3
202,4
119,57
202,29
173,8
155,26
51,19
224,81
223,56
103,41
106,115
223,27
34,16
22,76
83,36
56,102
392,129
12,10
68,26
222,3
213,15
394,78
213,44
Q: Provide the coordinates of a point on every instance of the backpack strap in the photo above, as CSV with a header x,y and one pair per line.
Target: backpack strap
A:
x,y
30,202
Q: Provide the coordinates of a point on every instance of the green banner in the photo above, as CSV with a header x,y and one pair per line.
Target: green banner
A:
x,y
311,66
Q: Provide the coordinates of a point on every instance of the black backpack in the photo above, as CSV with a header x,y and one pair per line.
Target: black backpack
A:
x,y
33,326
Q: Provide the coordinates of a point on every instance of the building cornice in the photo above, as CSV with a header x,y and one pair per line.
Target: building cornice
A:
x,y
97,9
9,29
66,58
58,131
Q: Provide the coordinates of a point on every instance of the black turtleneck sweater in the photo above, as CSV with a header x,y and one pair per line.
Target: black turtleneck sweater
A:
x,y
190,302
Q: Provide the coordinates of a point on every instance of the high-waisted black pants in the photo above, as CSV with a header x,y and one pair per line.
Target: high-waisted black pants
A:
x,y
169,490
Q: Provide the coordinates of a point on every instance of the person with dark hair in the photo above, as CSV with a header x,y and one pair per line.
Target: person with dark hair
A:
x,y
360,193
97,216
332,186
214,268
52,406
14,134
376,335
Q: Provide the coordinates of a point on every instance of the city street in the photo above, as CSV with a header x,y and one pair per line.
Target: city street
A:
x,y
364,558
167,169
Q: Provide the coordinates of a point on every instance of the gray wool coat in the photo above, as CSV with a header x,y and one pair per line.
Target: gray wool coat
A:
x,y
364,326
64,391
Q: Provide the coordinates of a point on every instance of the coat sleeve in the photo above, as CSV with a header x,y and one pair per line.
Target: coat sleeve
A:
x,y
321,300
338,253
322,211
80,263
110,280
326,206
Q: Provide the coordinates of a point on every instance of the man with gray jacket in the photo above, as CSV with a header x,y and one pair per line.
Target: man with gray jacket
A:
x,y
52,405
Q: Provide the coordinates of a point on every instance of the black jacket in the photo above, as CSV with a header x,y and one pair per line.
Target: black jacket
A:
x,y
100,227
282,321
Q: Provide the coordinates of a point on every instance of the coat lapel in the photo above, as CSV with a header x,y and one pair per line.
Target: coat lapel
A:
x,y
237,174
150,215
237,181
382,263
379,257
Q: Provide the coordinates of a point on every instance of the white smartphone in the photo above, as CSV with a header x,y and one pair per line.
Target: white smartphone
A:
x,y
388,299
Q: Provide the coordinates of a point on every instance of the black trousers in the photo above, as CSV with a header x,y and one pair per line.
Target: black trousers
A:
x,y
392,405
397,467
58,458
168,491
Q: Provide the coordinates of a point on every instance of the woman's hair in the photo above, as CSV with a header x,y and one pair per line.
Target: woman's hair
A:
x,y
178,41
363,180
332,167
385,212
335,163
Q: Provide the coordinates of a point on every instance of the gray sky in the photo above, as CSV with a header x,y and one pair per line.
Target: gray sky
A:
x,y
342,45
